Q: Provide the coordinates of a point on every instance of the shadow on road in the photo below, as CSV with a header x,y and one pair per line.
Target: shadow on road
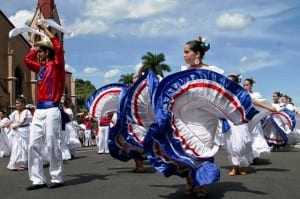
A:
x,y
215,191
83,178
147,170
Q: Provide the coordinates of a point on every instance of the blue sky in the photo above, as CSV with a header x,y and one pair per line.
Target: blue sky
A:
x,y
257,38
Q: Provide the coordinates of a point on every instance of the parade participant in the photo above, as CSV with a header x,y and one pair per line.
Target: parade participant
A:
x,y
47,59
103,128
187,106
276,99
132,120
287,103
19,124
278,128
31,108
139,160
259,145
73,142
64,138
194,52
80,132
5,146
88,131
137,116
237,142
294,136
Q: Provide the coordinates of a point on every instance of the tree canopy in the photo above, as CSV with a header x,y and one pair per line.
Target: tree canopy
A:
x,y
83,90
127,79
154,62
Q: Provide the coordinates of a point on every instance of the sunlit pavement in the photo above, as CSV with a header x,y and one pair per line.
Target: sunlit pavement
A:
x,y
92,175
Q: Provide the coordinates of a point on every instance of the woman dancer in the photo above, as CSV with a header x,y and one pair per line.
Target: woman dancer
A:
x,y
237,140
188,105
278,127
70,141
259,145
276,99
139,115
5,145
20,120
135,115
287,103
194,52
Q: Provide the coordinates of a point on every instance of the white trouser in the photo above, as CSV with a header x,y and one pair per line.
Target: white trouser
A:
x,y
45,132
102,139
65,136
87,135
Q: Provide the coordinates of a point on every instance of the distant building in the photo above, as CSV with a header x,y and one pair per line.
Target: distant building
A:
x,y
15,78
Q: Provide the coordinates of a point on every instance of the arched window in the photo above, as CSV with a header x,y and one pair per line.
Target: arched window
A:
x,y
66,91
19,81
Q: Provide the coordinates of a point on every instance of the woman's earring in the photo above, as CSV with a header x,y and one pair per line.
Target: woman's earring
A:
x,y
197,61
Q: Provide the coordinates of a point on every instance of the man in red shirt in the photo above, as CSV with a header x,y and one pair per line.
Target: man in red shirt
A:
x,y
103,126
88,131
47,59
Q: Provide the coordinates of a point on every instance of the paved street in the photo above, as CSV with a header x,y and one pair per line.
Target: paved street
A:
x,y
92,175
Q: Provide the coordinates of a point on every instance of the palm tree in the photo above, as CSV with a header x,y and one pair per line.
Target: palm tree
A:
x,y
127,79
154,62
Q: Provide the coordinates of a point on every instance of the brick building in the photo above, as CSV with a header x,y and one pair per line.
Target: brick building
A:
x,y
15,78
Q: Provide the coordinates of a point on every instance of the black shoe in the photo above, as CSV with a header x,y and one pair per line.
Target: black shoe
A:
x,y
255,161
55,185
36,186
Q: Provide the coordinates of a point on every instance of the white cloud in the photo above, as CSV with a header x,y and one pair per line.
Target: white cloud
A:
x,y
90,70
233,21
108,16
70,69
87,26
162,26
112,73
20,18
150,8
106,9
252,60
257,61
98,16
113,10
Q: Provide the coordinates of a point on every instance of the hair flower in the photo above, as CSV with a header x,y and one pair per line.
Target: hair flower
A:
x,y
203,43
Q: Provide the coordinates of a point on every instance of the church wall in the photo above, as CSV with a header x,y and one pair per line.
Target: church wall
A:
x,y
4,93
12,52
